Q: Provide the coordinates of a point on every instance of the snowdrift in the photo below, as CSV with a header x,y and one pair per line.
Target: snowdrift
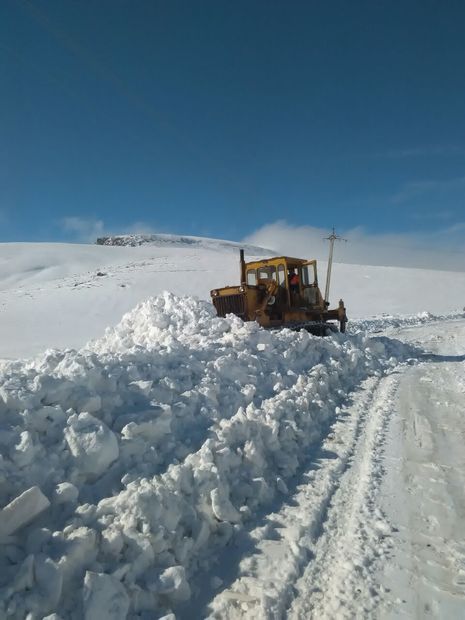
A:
x,y
126,465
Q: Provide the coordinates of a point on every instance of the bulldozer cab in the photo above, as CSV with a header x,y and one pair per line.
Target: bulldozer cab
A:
x,y
296,279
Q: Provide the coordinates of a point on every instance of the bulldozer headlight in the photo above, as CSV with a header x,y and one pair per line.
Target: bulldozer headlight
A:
x,y
214,293
242,289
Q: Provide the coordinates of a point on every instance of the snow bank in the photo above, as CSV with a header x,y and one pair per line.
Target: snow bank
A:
x,y
154,445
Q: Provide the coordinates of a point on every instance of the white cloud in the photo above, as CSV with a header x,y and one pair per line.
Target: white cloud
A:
x,y
140,228
424,151
86,230
444,249
83,229
439,187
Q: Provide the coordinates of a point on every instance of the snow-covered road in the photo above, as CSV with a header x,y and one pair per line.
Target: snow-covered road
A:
x,y
423,492
375,525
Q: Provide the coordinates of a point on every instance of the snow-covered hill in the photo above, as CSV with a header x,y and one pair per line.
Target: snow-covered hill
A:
x,y
62,295
181,241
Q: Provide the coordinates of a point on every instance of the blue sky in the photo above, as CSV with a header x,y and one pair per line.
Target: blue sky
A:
x,y
218,118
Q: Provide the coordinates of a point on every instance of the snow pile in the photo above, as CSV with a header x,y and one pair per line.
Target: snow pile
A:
x,y
142,455
160,240
389,321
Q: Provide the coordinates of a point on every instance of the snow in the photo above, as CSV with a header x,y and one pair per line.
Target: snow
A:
x,y
21,511
92,444
105,598
160,240
182,465
51,295
425,482
196,423
373,526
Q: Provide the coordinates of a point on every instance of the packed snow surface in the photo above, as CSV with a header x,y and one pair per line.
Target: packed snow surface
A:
x,y
155,445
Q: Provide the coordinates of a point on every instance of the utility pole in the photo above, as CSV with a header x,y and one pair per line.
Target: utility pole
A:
x,y
332,238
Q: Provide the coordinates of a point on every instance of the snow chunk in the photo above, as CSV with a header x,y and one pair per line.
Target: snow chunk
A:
x,y
152,429
92,404
143,386
49,579
65,492
92,443
24,578
43,418
173,584
105,598
22,511
81,550
23,452
222,507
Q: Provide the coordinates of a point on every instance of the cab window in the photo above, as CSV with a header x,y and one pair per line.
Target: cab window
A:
x,y
251,277
305,276
267,273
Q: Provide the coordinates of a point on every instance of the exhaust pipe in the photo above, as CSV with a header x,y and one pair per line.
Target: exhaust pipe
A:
x,y
242,267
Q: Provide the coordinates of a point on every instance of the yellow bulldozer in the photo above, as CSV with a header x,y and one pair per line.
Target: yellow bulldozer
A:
x,y
280,292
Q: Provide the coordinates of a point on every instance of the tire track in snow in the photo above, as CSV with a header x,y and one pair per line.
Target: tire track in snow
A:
x,y
423,491
273,555
341,581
